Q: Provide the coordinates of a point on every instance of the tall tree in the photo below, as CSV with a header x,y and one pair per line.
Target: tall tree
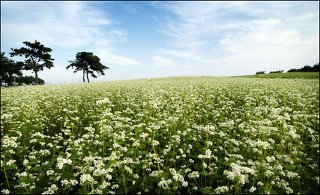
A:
x,y
9,68
37,57
88,64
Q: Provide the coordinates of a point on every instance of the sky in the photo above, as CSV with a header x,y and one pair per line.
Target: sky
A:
x,y
162,39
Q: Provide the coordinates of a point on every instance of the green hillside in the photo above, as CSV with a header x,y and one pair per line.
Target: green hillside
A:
x,y
291,75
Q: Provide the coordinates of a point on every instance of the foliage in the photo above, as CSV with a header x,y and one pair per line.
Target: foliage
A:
x,y
261,72
12,75
162,136
37,57
278,71
9,69
29,80
307,68
88,64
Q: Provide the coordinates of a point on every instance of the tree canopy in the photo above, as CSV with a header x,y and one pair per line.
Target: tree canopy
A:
x,y
37,57
9,68
307,68
88,64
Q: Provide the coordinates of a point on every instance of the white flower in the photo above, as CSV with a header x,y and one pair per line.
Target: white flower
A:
x,y
252,189
155,142
194,174
10,162
143,135
187,170
50,172
260,183
5,191
73,182
239,172
184,183
115,186
64,182
291,174
9,142
61,161
104,101
86,178
156,173
204,165
165,183
271,159
222,189
269,173
51,189
136,143
25,162
207,153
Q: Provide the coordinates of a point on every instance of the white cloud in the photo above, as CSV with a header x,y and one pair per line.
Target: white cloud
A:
x,y
67,28
230,38
65,25
196,38
107,56
161,61
119,35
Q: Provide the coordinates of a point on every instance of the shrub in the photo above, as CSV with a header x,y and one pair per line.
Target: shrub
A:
x,y
278,71
261,72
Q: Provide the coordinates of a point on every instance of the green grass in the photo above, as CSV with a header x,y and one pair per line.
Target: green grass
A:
x,y
291,75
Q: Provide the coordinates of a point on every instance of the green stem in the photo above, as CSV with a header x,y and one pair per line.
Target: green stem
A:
x,y
103,146
5,173
27,190
124,182
197,183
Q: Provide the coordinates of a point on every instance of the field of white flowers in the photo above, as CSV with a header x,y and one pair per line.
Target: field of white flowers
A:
x,y
177,135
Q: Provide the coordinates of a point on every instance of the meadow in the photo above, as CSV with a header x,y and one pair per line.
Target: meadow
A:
x,y
162,136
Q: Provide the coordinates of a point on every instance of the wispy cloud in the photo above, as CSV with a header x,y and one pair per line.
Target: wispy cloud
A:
x,y
161,61
143,39
264,34
69,24
67,27
106,55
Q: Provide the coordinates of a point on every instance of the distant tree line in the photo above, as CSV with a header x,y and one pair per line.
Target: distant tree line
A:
x,y
277,71
261,72
36,58
306,68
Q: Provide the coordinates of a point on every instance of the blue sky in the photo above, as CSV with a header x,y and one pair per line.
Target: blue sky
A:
x,y
159,39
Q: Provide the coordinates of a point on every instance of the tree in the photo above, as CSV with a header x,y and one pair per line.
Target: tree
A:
x,y
307,68
277,71
37,57
293,70
261,72
29,80
88,64
316,68
9,68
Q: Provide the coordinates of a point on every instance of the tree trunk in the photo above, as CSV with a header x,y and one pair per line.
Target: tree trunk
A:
x,y
83,78
88,76
36,76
